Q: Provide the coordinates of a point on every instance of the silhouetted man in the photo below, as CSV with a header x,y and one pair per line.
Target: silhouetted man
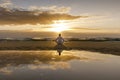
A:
x,y
59,40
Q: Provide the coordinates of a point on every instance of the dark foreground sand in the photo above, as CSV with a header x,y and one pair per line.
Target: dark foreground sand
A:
x,y
108,47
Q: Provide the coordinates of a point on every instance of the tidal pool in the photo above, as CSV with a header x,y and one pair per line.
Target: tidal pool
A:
x,y
58,65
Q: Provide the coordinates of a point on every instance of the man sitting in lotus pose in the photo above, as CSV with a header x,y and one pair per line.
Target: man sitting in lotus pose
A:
x,y
59,40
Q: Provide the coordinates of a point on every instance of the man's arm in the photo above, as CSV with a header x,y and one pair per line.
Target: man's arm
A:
x,y
56,39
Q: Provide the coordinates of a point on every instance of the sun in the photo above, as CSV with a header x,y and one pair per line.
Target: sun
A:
x,y
59,26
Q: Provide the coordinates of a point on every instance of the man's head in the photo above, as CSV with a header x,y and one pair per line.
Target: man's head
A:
x,y
59,34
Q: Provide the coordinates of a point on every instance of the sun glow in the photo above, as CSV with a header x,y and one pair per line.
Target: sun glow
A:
x,y
59,26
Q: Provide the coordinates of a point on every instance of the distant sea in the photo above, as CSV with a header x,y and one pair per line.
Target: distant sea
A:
x,y
28,34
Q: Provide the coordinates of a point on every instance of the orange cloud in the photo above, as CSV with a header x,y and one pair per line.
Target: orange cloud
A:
x,y
22,16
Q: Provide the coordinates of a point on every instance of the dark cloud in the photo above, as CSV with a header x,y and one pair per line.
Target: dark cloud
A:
x,y
22,16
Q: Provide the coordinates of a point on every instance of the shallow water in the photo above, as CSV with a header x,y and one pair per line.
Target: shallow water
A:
x,y
51,65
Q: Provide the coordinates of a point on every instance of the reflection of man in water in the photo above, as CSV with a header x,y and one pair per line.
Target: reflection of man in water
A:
x,y
59,51
59,40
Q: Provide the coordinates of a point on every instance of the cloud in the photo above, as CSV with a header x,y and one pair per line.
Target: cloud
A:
x,y
33,15
51,9
5,3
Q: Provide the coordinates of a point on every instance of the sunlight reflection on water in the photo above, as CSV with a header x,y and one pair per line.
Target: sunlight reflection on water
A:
x,y
32,64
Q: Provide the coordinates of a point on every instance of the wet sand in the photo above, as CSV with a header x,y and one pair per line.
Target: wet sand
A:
x,y
108,47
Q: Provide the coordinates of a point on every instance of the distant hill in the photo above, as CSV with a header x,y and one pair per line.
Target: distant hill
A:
x,y
66,39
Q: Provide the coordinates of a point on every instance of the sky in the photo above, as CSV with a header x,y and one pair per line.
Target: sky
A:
x,y
60,16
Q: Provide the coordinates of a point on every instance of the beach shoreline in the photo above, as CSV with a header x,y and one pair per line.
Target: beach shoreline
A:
x,y
109,47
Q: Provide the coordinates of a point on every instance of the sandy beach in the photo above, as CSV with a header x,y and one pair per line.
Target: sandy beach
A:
x,y
110,47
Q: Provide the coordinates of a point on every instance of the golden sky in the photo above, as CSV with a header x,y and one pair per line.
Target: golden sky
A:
x,y
75,16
